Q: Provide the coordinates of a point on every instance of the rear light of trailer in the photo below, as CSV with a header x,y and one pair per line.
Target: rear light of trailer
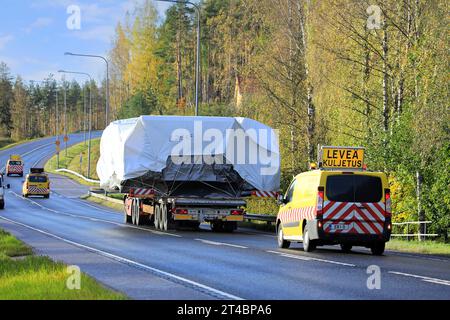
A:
x,y
387,202
237,212
320,199
180,211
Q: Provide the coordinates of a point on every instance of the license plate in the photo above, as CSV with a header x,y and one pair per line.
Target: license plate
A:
x,y
339,226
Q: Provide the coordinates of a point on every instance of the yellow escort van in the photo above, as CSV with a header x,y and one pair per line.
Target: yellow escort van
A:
x,y
36,184
340,203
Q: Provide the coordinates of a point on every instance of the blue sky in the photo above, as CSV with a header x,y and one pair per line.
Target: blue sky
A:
x,y
34,35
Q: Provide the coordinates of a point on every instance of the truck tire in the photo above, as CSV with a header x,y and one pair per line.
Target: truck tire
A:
x,y
229,227
346,248
308,244
2,205
126,217
164,218
284,244
137,216
157,216
133,216
378,248
217,226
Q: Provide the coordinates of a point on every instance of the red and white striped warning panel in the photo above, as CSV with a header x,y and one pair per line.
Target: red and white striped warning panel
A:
x,y
265,194
353,217
36,190
15,169
142,192
297,214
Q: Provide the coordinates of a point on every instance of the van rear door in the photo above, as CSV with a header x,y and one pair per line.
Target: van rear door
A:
x,y
354,204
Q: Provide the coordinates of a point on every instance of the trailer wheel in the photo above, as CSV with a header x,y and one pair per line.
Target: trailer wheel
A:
x,y
157,213
126,217
229,227
137,212
133,216
217,226
164,218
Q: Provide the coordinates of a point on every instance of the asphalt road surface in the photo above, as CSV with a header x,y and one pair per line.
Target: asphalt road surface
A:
x,y
148,264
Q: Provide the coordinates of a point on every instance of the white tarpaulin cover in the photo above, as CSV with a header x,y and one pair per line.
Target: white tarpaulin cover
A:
x,y
133,147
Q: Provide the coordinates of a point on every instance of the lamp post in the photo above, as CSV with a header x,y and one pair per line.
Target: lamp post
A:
x,y
107,79
56,115
90,116
197,67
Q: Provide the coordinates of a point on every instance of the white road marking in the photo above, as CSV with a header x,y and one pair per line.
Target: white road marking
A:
x,y
292,256
214,243
131,262
97,220
426,279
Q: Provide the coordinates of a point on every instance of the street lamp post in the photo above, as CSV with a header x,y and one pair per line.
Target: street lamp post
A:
x,y
56,116
90,117
197,67
107,79
65,119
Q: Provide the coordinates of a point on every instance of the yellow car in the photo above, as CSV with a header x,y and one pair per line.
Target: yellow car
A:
x,y
36,184
326,207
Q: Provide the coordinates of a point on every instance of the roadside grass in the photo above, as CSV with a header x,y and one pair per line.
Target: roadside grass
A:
x,y
11,247
72,161
105,203
423,247
39,278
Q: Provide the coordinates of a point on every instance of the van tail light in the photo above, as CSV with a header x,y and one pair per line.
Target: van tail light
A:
x,y
180,211
320,199
387,202
237,212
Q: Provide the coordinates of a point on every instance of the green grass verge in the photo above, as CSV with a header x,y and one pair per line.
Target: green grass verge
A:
x,y
424,247
12,247
39,278
105,203
72,161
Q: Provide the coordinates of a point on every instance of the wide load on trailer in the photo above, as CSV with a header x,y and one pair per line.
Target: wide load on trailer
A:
x,y
191,161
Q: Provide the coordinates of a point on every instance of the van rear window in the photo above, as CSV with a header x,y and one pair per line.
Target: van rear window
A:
x,y
354,188
15,163
37,179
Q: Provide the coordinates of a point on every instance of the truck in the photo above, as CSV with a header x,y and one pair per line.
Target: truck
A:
x,y
178,172
14,166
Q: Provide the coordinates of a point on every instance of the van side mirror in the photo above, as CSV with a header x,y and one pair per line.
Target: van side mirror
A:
x,y
281,200
8,186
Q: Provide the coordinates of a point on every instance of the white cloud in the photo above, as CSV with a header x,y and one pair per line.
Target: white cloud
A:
x,y
10,62
40,22
4,40
103,33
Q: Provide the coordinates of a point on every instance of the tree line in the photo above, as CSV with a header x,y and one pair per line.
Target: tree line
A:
x,y
37,109
335,72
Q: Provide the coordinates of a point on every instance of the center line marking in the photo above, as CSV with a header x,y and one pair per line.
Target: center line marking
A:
x,y
426,279
214,243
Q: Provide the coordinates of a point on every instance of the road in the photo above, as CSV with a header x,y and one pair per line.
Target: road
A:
x,y
148,264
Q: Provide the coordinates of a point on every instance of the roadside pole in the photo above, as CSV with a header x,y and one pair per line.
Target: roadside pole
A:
x,y
57,130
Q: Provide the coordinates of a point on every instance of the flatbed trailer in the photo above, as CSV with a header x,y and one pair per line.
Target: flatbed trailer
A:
x,y
146,206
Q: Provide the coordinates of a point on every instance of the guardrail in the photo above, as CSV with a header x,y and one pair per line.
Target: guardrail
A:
x,y
260,217
412,235
78,175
